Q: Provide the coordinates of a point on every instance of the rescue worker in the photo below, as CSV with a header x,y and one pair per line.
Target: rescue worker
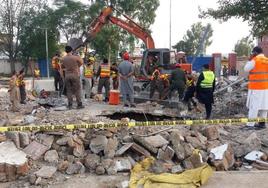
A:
x,y
156,83
21,84
71,65
177,81
58,81
114,75
37,73
166,84
126,72
257,100
104,80
190,92
205,87
88,75
225,71
14,92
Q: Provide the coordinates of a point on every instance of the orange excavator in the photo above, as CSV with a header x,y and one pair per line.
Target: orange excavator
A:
x,y
152,57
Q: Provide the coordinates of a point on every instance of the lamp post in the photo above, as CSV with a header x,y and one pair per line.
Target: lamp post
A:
x,y
170,24
47,54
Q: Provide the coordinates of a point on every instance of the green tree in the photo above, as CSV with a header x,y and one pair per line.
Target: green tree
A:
x,y
243,47
11,13
195,40
255,12
32,36
72,17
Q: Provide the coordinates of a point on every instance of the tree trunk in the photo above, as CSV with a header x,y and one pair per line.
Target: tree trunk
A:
x,y
12,65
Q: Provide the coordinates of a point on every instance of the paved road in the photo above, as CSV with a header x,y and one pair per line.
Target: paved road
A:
x,y
257,179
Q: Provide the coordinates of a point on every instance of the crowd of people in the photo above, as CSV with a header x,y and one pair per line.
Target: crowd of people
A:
x,y
74,76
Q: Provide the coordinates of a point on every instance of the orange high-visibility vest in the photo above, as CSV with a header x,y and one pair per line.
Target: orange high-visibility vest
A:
x,y
258,76
105,71
88,71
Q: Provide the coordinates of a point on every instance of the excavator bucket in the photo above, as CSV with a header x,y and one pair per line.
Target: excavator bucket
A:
x,y
75,43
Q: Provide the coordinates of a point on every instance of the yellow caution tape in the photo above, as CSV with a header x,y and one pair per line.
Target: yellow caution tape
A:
x,y
130,124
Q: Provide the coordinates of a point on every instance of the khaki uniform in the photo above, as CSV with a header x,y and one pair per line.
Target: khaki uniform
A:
x,y
14,93
71,64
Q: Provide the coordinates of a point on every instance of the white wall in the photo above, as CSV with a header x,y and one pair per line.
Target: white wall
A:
x,y
5,66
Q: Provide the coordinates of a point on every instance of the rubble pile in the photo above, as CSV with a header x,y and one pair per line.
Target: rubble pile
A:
x,y
231,102
112,151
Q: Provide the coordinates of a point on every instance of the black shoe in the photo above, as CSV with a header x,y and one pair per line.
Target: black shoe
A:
x,y
259,126
22,102
70,106
80,106
126,105
106,100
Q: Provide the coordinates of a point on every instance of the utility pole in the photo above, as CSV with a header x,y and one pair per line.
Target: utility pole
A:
x,y
47,54
170,24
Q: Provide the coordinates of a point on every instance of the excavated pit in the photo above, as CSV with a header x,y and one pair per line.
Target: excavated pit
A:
x,y
138,116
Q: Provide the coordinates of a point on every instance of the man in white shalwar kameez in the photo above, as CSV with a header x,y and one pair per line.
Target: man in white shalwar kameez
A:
x,y
257,100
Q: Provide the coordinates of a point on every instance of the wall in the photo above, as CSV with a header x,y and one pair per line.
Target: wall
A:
x,y
5,67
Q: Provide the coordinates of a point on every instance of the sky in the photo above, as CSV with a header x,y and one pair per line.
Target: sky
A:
x,y
184,14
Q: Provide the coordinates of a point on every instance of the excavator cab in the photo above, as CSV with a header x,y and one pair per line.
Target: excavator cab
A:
x,y
157,57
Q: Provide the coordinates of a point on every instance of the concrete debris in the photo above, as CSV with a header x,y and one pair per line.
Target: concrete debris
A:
x,y
156,141
13,162
222,157
75,168
51,156
211,132
122,164
254,155
114,150
165,154
35,150
92,161
111,147
29,119
98,144
176,169
46,172
63,166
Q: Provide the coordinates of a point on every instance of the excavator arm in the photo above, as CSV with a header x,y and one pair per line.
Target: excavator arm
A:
x,y
134,29
104,18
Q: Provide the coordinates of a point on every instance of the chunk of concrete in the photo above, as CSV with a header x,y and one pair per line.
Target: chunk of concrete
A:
x,y
46,172
122,164
156,141
98,144
51,156
222,157
13,162
165,154
111,147
35,150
